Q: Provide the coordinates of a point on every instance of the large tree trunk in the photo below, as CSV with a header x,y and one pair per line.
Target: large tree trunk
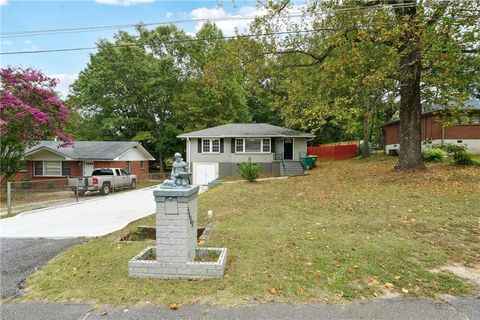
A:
x,y
366,128
161,165
410,154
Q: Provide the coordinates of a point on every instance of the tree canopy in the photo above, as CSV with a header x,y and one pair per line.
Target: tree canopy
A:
x,y
158,84
30,111
340,70
407,52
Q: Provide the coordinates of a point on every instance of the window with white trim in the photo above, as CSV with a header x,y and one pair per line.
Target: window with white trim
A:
x,y
239,145
38,168
215,145
252,145
65,168
211,145
51,168
266,145
142,165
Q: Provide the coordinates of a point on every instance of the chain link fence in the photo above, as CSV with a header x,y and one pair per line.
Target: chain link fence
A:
x,y
159,176
28,195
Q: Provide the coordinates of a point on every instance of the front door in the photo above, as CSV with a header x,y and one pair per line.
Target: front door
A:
x,y
87,168
288,149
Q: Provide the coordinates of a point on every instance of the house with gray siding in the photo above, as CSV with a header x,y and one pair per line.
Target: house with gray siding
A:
x,y
216,152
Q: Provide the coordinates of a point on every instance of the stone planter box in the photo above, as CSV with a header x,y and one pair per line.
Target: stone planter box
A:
x,y
141,268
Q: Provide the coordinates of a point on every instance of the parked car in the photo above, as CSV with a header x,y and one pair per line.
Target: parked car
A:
x,y
104,180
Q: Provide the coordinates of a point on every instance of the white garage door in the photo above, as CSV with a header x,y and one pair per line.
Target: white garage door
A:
x,y
205,172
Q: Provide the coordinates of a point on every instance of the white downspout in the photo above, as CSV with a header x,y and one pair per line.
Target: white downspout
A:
x,y
188,153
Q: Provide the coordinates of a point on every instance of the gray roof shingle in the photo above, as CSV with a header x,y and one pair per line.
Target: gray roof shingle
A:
x,y
233,130
94,150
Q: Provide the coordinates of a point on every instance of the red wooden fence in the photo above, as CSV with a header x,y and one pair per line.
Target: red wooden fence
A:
x,y
334,152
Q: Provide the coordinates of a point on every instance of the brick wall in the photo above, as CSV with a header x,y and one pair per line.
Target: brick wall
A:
x,y
430,129
391,134
76,170
463,132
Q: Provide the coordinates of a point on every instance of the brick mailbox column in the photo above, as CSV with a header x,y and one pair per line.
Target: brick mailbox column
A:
x,y
176,251
176,224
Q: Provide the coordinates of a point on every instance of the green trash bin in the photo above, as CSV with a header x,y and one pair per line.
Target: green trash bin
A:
x,y
314,161
309,162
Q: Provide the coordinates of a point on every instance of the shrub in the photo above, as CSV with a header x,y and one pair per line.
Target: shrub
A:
x,y
450,148
433,155
463,158
25,184
249,171
50,185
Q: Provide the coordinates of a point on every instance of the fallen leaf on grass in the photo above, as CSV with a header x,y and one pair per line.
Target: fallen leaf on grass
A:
x,y
404,290
389,285
173,306
272,290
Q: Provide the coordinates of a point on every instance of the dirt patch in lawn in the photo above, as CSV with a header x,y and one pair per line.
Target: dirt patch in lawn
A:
x,y
471,274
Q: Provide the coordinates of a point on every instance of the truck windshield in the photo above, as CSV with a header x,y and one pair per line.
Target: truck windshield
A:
x,y
102,172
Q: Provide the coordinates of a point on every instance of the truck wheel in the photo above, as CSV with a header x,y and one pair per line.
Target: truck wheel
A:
x,y
105,189
133,185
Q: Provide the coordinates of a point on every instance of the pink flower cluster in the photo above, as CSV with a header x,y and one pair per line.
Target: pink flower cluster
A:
x,y
30,109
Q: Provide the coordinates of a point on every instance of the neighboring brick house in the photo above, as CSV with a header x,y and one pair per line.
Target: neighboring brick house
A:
x,y
47,160
466,133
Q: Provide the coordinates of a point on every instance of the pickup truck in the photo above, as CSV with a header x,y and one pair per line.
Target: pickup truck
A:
x,y
104,180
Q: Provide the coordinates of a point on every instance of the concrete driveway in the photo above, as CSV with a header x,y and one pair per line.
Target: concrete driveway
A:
x,y
90,218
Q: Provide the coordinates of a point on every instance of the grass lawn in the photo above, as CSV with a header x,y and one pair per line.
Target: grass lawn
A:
x,y
350,229
147,183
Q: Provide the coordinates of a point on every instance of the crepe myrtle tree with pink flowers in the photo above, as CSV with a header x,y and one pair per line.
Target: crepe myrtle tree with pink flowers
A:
x,y
30,111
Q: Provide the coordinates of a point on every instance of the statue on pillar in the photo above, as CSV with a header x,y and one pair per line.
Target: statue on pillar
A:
x,y
180,176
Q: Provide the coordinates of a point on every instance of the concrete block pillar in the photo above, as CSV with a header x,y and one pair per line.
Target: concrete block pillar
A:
x,y
176,224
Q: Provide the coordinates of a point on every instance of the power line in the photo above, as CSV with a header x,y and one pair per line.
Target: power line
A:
x,y
121,26
15,34
194,39
166,42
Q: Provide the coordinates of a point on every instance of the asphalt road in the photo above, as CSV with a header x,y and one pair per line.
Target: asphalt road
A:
x,y
21,257
467,308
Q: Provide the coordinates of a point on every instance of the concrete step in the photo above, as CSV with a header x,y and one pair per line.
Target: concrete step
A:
x,y
291,168
292,174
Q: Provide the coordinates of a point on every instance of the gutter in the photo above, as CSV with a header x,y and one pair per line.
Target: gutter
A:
x,y
188,152
244,136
